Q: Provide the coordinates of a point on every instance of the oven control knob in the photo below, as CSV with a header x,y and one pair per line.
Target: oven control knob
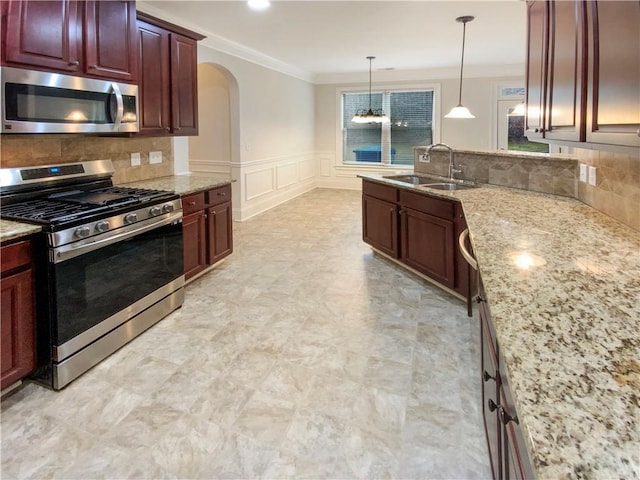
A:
x,y
153,211
82,232
102,226
130,218
168,208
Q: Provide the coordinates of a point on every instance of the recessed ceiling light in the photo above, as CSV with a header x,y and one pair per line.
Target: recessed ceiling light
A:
x,y
258,4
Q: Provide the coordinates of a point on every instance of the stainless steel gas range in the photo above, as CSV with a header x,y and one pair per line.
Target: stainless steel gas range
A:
x,y
109,261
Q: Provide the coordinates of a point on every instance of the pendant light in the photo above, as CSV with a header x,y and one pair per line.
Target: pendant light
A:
x,y
459,111
370,116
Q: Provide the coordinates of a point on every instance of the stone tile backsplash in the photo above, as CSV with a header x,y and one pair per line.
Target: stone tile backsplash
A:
x,y
617,192
33,150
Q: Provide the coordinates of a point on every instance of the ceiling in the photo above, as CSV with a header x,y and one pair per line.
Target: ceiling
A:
x,y
324,38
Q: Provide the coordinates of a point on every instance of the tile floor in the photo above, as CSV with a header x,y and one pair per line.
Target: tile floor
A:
x,y
303,355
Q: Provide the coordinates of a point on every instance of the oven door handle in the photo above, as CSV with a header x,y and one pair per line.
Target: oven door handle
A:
x,y
72,250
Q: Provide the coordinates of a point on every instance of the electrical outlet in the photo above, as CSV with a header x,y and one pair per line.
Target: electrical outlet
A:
x,y
155,157
424,158
583,172
592,175
135,159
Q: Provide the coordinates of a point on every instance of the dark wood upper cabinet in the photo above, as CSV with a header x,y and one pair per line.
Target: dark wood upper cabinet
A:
x,y
168,78
566,72
110,40
614,68
154,87
42,34
535,78
184,85
583,72
92,38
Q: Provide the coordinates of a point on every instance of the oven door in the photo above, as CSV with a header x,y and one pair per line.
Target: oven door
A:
x,y
101,283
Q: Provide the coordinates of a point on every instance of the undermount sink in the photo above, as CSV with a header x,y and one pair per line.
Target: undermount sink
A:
x,y
449,186
410,179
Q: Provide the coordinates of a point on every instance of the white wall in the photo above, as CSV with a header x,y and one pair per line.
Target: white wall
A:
x,y
479,95
272,128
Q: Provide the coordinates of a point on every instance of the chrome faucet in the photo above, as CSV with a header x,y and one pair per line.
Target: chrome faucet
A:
x,y
452,166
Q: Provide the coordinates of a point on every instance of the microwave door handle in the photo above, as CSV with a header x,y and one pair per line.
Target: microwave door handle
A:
x,y
120,105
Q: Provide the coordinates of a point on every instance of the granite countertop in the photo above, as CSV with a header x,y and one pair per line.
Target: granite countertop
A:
x,y
562,282
183,184
10,230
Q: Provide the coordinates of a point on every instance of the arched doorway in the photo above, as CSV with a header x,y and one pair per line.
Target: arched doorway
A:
x,y
216,147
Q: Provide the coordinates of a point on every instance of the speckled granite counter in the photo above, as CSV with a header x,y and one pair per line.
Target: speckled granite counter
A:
x,y
568,324
12,230
183,184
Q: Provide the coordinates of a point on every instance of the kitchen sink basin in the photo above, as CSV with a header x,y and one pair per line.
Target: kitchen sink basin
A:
x,y
449,186
410,179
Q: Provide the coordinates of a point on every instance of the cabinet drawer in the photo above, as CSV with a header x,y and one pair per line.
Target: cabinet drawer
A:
x,y
432,206
219,195
383,192
192,203
15,255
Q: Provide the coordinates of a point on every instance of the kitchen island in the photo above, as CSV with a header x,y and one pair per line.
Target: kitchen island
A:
x,y
562,282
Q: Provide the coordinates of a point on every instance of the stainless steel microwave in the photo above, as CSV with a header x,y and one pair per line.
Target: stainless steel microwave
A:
x,y
45,102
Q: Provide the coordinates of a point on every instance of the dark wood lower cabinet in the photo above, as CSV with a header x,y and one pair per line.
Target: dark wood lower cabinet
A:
x,y
207,229
380,225
427,245
17,315
418,229
505,442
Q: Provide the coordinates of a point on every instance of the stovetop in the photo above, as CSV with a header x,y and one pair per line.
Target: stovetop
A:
x,y
68,207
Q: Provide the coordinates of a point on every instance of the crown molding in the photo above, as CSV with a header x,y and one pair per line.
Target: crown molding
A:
x,y
221,44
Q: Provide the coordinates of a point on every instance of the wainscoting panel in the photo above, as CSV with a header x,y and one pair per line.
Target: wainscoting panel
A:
x,y
286,175
259,182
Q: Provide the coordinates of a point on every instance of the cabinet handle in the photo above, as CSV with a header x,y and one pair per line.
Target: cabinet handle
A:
x,y
638,132
168,129
93,67
222,194
192,203
479,299
492,405
75,63
177,128
487,377
505,418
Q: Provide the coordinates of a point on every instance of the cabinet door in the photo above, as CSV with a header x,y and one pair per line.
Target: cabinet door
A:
x,y
17,324
184,85
219,232
536,61
613,115
428,245
380,225
194,241
490,392
43,34
110,40
566,73
154,87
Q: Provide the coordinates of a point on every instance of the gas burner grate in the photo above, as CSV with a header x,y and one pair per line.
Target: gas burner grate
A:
x,y
45,211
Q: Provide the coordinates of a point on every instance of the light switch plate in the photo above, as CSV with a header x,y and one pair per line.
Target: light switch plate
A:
x,y
424,158
583,172
592,175
155,157
135,159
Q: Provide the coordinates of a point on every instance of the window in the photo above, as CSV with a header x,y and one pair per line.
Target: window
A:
x,y
511,122
411,124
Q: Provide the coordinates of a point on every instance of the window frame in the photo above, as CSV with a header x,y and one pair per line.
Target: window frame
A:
x,y
381,88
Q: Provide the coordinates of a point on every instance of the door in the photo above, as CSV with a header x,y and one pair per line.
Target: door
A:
x,y
427,245
380,225
613,114
43,34
511,133
566,73
18,332
536,61
155,91
219,233
184,85
110,40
